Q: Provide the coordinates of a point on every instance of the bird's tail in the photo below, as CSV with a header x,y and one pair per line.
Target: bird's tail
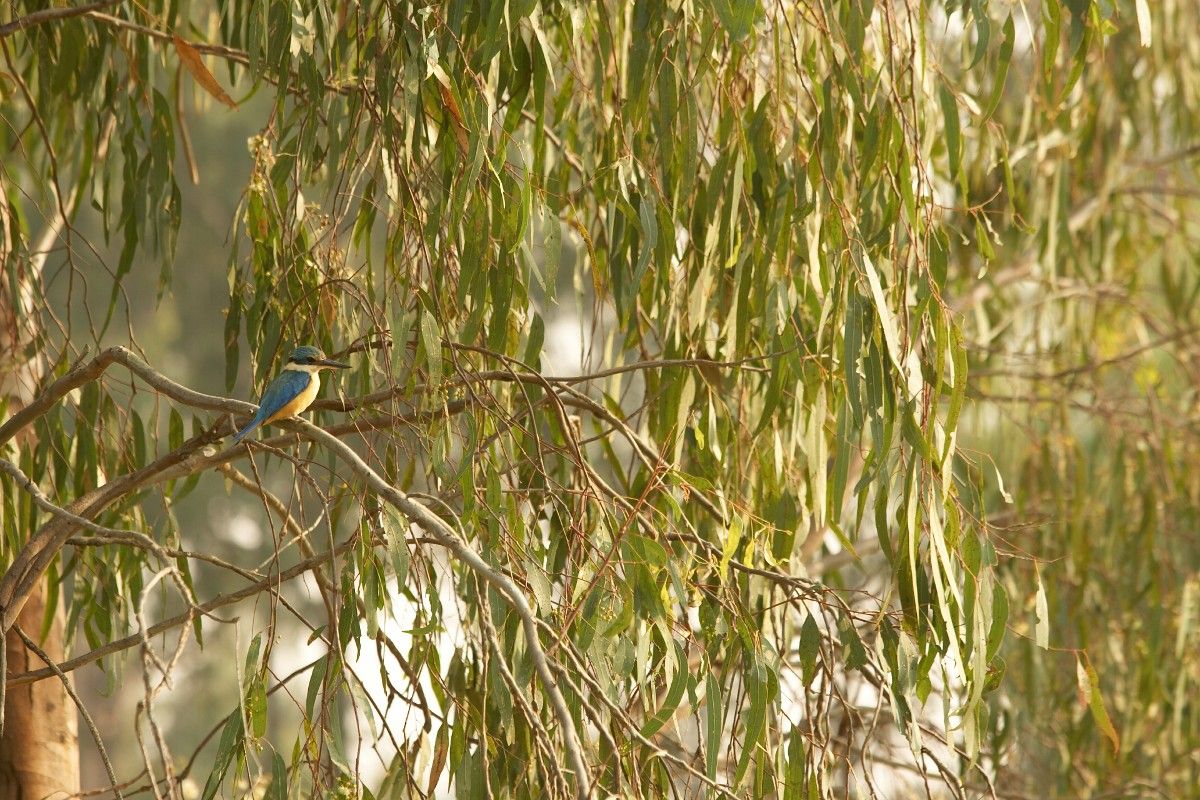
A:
x,y
254,423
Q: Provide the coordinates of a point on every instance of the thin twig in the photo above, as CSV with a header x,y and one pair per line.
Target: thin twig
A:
x,y
220,601
436,527
50,15
26,484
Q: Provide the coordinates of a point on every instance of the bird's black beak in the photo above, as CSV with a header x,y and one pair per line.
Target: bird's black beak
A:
x,y
325,362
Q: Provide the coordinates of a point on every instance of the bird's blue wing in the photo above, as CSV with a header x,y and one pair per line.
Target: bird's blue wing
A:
x,y
283,389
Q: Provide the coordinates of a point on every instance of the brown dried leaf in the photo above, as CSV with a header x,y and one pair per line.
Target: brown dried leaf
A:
x,y
456,117
439,761
190,58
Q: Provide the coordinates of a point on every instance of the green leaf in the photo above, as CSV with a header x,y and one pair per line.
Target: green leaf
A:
x,y
674,695
89,402
983,240
958,352
251,667
278,788
915,436
758,687
231,744
175,429
314,686
809,648
737,16
431,347
794,783
999,620
1006,51
856,653
551,254
851,350
887,320
85,459
233,321
714,723
649,226
972,553
953,134
733,539
647,551
624,617
841,464
397,547
256,708
533,344
983,36
139,439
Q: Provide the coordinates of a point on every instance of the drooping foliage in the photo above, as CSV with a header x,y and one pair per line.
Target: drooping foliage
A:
x,y
789,357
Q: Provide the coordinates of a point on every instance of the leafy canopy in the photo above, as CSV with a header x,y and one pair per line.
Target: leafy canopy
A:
x,y
778,233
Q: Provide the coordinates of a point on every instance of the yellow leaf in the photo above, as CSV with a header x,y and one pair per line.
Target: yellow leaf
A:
x,y
190,58
598,282
1088,684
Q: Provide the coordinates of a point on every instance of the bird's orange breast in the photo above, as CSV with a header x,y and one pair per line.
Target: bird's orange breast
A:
x,y
299,402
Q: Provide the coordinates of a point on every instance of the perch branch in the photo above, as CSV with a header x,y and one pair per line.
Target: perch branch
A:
x,y
35,557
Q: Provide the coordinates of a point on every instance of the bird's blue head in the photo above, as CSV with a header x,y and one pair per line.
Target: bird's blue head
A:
x,y
309,356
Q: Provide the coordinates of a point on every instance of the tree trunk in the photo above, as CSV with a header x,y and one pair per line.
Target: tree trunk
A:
x,y
39,751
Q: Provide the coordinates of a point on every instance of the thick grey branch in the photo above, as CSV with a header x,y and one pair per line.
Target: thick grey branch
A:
x,y
86,372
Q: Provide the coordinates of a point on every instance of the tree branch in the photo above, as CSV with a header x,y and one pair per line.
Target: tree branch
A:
x,y
50,15
44,503
195,455
220,601
42,548
446,536
85,372
35,557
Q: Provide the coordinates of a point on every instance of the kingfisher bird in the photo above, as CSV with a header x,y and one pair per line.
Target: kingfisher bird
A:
x,y
293,390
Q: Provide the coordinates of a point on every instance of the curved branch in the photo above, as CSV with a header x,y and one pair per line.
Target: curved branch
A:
x,y
195,455
36,556
86,372
44,503
192,458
